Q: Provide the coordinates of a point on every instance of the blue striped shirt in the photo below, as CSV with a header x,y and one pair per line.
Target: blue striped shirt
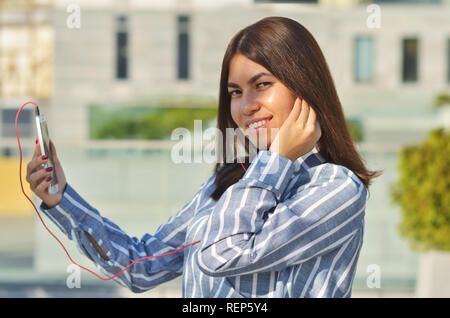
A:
x,y
286,229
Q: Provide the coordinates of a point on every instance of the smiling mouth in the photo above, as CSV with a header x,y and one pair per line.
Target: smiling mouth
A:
x,y
255,128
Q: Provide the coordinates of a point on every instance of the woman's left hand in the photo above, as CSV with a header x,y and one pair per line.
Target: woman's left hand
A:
x,y
299,132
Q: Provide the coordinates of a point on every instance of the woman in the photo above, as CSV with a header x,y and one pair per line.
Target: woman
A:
x,y
288,223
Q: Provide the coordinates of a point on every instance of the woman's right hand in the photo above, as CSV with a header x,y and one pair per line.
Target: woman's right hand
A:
x,y
37,176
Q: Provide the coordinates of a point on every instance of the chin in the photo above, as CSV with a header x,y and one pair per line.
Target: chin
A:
x,y
263,147
259,144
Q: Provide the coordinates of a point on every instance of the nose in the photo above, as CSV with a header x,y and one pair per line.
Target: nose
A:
x,y
249,104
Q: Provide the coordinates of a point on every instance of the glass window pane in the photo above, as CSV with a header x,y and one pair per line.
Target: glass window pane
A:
x,y
183,47
24,123
122,48
410,60
363,63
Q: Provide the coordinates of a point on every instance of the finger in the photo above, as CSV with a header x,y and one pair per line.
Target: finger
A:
x,y
36,161
43,186
36,164
313,122
319,130
53,150
36,177
59,172
304,114
312,117
37,149
296,109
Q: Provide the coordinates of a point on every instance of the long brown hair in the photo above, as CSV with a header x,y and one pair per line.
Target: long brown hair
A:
x,y
289,51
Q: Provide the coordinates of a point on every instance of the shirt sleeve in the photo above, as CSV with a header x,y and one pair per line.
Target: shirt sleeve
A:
x,y
111,249
251,231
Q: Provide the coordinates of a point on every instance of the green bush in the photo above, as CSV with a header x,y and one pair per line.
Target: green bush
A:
x,y
441,100
423,192
145,122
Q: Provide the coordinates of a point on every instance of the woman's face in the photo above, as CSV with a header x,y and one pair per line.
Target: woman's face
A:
x,y
264,97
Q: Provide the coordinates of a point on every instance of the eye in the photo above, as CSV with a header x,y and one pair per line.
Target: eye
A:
x,y
257,85
263,83
231,93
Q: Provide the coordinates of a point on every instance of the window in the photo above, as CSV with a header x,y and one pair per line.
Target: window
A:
x,y
122,47
25,123
363,59
410,60
183,47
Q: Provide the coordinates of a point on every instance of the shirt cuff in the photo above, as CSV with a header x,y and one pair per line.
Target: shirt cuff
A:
x,y
69,212
271,169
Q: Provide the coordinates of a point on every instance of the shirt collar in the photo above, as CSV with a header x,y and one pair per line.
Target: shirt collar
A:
x,y
311,158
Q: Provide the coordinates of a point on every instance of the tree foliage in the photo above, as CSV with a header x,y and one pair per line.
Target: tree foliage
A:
x,y
423,192
441,100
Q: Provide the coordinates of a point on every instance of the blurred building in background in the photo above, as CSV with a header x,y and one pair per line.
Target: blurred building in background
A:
x,y
394,58
389,60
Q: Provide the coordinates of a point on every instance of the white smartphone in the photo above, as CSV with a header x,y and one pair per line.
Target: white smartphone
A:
x,y
44,142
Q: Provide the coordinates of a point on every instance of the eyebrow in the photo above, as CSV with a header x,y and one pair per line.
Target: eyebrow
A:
x,y
250,81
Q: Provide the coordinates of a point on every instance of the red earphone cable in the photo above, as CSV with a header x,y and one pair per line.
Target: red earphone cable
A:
x,y
239,157
54,236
